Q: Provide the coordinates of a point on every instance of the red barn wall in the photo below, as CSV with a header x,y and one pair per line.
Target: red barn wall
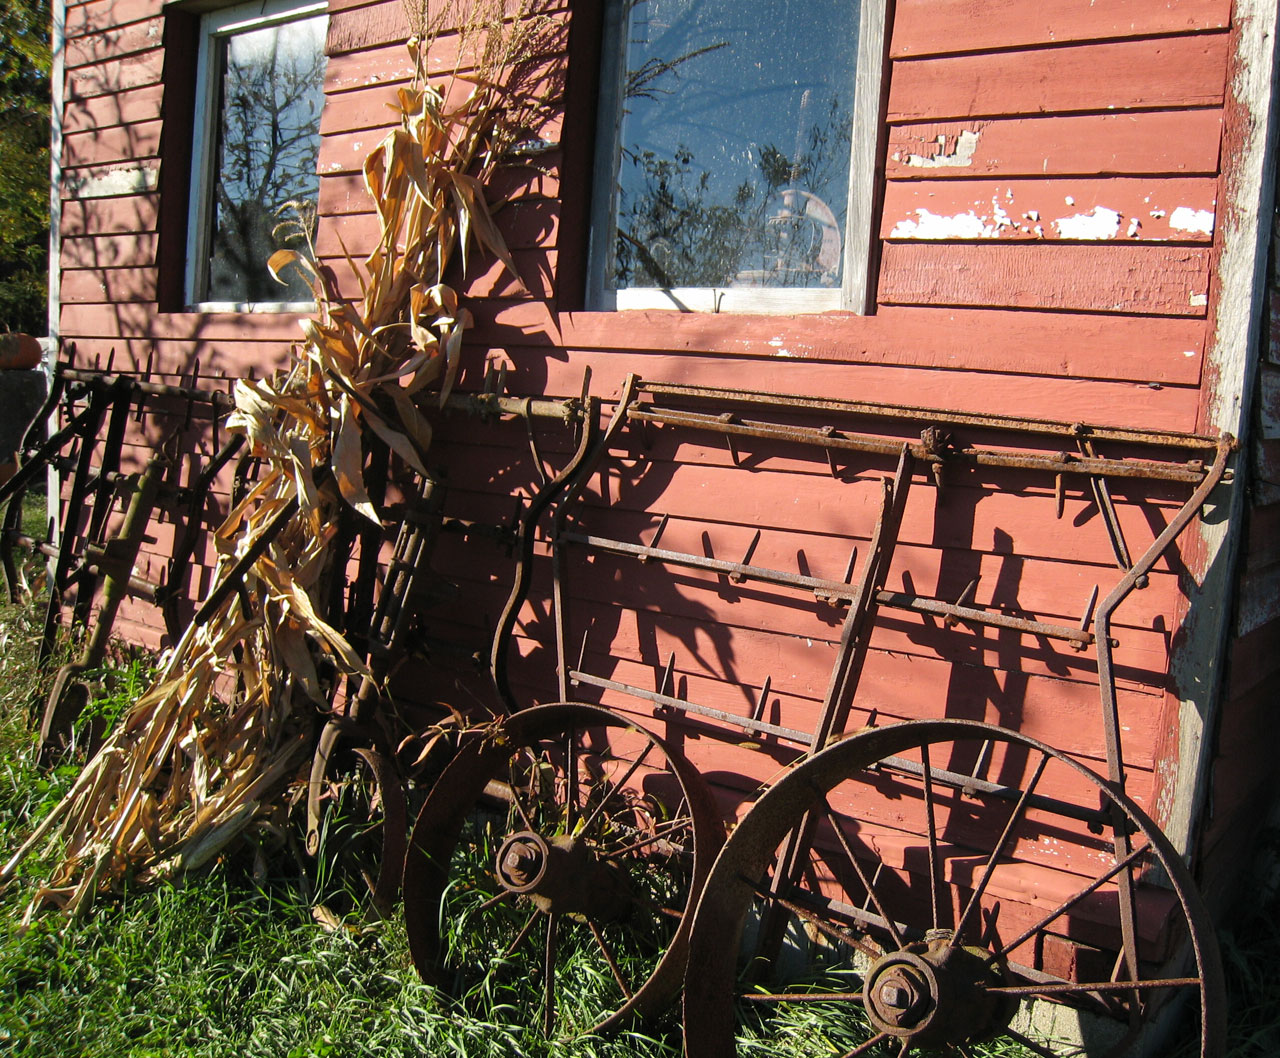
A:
x,y
1005,285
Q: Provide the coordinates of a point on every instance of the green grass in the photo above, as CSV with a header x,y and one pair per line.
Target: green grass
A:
x,y
232,962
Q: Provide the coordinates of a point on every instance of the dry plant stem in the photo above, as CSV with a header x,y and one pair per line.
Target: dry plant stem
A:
x,y
187,771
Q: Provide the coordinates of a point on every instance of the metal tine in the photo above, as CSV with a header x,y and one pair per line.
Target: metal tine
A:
x,y
146,377
502,378
728,440
822,596
664,684
1087,617
657,536
757,712
486,387
962,599
582,654
1059,494
984,759
111,359
737,578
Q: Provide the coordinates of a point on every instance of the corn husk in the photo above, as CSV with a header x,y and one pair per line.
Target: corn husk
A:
x,y
210,749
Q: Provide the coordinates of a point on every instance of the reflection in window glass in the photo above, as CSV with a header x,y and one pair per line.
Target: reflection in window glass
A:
x,y
734,143
270,94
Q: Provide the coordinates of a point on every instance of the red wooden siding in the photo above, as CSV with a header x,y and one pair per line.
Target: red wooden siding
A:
x,y
1047,240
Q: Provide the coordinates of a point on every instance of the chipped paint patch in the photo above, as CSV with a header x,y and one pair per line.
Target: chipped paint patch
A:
x,y
932,226
1098,223
133,180
1200,221
960,158
1199,301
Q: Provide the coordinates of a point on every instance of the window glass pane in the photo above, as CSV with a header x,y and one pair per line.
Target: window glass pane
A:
x,y
734,143
270,94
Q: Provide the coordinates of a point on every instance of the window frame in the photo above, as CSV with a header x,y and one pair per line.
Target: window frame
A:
x,y
861,243
214,26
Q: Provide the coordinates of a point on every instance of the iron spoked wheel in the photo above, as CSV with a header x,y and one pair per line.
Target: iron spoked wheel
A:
x,y
554,867
955,889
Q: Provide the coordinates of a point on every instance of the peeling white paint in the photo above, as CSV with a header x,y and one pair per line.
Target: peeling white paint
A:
x,y
960,158
1189,353
1199,300
1135,225
932,226
132,180
1157,213
1099,223
1069,201
1184,218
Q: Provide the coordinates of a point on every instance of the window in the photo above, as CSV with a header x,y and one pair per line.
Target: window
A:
x,y
736,149
254,181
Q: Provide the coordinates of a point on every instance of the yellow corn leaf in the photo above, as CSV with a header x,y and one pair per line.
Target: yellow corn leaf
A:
x,y
306,269
418,429
348,462
333,639
397,442
291,645
453,352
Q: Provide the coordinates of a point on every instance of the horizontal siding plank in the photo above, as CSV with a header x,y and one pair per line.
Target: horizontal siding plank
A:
x,y
97,286
114,41
118,144
376,25
1147,74
531,224
505,330
1106,209
111,76
928,27
109,251
1065,345
100,321
1148,142
110,216
1157,280
99,16
105,112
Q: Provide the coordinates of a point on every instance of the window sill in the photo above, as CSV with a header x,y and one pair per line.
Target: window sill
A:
x,y
240,307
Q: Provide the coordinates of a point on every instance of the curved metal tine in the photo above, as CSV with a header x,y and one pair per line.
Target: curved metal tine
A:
x,y
571,780
549,977
614,788
802,997
1062,908
1019,810
610,959
862,877
661,831
933,833
494,901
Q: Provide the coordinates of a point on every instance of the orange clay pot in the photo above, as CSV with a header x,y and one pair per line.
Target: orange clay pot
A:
x,y
19,351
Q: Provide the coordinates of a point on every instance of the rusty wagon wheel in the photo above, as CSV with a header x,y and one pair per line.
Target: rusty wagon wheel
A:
x,y
935,887
554,867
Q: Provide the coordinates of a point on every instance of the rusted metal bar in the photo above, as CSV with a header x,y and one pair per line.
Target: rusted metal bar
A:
x,y
824,437
938,416
215,398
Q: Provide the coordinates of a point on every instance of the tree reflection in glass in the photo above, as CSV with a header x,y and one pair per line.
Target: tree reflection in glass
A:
x,y
270,94
734,143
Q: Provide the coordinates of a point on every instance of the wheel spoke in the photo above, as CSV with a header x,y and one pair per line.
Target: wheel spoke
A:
x,y
1019,810
815,920
862,877
1032,1045
932,833
609,958
494,901
614,788
549,977
520,937
863,1048
801,997
521,811
1065,906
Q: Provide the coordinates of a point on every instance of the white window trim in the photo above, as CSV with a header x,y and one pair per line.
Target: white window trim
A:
x,y
857,292
214,26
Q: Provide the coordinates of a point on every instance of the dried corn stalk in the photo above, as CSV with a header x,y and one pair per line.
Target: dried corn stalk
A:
x,y
191,767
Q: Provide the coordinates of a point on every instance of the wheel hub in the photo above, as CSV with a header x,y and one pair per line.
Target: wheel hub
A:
x,y
934,992
562,875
